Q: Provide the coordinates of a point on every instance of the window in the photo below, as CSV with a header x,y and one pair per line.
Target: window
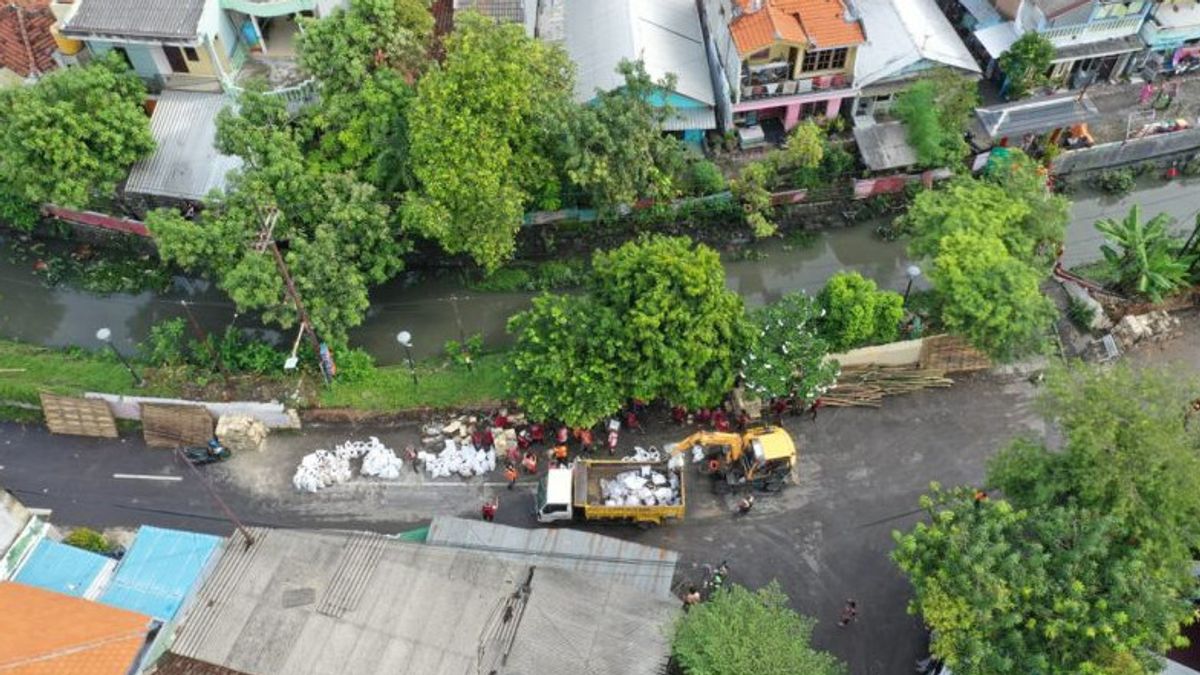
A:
x,y
824,59
191,54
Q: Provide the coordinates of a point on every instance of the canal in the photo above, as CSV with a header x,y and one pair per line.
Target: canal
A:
x,y
434,310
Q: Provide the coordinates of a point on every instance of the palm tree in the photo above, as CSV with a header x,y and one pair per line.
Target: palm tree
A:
x,y
1145,263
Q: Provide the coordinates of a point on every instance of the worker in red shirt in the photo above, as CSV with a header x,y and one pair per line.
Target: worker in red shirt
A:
x,y
530,462
720,421
489,509
587,442
537,433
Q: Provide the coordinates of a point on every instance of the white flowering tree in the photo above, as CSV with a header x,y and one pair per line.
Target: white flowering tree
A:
x,y
787,354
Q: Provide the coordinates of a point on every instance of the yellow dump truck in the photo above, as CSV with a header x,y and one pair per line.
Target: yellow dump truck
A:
x,y
593,490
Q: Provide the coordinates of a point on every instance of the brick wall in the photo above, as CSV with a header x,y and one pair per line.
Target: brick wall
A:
x,y
36,19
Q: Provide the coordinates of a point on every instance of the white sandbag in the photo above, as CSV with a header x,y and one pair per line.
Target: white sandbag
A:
x,y
658,479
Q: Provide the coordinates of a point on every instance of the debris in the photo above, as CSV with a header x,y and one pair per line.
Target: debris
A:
x,y
241,433
321,469
458,458
641,454
640,487
1155,326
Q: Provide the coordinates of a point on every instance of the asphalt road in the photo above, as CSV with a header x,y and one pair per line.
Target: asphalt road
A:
x,y
825,539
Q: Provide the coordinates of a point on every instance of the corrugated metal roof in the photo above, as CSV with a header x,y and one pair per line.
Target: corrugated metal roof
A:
x,y
646,568
185,163
419,609
160,571
665,34
1037,116
885,146
46,633
64,569
167,19
902,36
997,38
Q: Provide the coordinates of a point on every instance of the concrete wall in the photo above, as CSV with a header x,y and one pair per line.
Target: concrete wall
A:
x,y
904,353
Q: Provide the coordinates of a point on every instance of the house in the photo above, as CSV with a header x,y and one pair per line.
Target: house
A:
x,y
26,43
665,34
20,533
197,45
782,59
1172,36
66,569
1094,40
352,602
904,39
48,633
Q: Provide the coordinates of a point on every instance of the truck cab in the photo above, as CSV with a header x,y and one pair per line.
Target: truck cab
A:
x,y
554,501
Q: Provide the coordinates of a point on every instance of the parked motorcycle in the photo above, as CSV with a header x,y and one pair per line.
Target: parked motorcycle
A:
x,y
207,454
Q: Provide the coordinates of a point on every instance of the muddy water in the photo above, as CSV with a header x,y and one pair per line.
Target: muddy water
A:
x,y
433,311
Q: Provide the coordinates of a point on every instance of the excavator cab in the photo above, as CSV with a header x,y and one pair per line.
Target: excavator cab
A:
x,y
761,458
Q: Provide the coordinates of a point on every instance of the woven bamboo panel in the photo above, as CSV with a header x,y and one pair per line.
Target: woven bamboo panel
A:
x,y
952,354
78,416
172,426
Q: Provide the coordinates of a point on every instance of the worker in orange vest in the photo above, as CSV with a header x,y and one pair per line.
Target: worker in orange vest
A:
x,y
560,454
510,474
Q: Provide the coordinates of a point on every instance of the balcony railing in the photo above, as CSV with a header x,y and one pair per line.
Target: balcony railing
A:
x,y
1105,29
788,87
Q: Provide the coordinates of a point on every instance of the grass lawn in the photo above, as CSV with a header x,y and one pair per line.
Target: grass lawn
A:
x,y
438,386
27,369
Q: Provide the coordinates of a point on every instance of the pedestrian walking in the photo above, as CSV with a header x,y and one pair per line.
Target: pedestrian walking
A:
x,y
849,614
489,509
816,406
410,453
510,474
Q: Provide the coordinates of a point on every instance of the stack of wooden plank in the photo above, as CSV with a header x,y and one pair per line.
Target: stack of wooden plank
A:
x,y
866,386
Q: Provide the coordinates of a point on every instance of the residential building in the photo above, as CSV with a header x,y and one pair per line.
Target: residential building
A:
x,y
1094,40
905,39
1172,35
665,34
348,602
26,44
782,59
66,569
48,633
20,533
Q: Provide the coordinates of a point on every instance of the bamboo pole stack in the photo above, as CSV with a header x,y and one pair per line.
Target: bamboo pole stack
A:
x,y
866,386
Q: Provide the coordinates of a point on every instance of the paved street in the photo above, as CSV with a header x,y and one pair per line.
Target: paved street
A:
x,y
825,539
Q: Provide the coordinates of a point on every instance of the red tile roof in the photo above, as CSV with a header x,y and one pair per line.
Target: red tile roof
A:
x,y
26,44
753,31
826,23
47,633
822,23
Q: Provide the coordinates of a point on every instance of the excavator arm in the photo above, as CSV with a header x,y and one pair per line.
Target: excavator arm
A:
x,y
709,439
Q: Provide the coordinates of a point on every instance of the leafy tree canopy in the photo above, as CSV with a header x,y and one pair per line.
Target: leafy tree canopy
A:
x,y
1024,180
937,140
1140,253
564,364
617,151
480,131
1025,64
740,631
339,239
971,206
856,313
352,44
682,329
71,137
988,296
1042,590
787,353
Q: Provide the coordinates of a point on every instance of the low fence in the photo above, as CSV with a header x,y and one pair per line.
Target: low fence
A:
x,y
1159,149
274,415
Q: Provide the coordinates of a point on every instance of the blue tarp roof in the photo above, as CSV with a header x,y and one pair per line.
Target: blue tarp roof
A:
x,y
159,571
62,568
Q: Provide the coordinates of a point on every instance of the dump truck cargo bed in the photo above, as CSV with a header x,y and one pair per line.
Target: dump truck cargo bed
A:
x,y
589,498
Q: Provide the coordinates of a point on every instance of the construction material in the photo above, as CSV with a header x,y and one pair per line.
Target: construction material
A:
x,y
458,458
322,468
951,354
78,416
172,426
866,386
1134,329
241,433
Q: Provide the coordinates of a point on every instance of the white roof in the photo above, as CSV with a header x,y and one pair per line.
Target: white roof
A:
x,y
185,163
558,486
665,34
998,38
899,41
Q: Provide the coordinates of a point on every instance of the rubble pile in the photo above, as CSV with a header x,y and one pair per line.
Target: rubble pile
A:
x,y
458,458
641,487
241,433
1152,327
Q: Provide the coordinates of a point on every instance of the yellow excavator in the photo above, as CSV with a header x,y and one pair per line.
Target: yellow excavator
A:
x,y
760,458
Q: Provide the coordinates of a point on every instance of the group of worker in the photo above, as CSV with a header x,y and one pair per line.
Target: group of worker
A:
x,y
723,420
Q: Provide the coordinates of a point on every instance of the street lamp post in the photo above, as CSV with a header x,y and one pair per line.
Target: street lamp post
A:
x,y
912,272
105,335
405,340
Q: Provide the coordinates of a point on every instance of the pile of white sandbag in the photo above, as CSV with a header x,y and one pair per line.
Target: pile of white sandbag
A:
x,y
320,469
641,454
641,487
458,458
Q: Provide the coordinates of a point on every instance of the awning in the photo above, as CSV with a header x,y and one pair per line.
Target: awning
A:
x,y
1037,116
997,39
1091,50
691,118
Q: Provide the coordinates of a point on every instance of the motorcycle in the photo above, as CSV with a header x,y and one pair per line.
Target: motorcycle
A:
x,y
207,454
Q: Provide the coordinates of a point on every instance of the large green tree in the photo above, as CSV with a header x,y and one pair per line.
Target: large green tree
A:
x,y
71,137
854,312
1140,254
481,131
1025,64
564,364
682,331
1041,590
989,296
787,353
338,240
1024,180
739,631
617,151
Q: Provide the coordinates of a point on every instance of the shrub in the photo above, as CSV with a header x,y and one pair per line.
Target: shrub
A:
x,y
464,353
704,178
165,344
88,540
354,365
1080,314
1115,181
857,313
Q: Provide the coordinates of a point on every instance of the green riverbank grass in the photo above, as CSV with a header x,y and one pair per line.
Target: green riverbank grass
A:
x,y
27,369
390,388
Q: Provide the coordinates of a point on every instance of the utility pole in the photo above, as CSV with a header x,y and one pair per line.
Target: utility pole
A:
x,y
217,498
